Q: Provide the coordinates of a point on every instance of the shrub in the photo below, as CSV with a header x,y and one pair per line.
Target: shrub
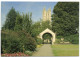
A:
x,y
28,42
58,41
74,39
9,43
12,42
39,41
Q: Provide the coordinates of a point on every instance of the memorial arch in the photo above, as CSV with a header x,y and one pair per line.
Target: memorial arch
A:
x,y
48,31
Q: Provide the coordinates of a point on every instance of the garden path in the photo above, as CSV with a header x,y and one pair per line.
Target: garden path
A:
x,y
45,50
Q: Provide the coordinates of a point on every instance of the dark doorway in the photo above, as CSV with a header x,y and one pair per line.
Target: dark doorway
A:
x,y
47,38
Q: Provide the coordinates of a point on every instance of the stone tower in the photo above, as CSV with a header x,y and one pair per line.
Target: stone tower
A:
x,y
46,15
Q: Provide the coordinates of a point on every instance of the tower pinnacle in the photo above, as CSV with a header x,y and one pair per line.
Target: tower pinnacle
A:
x,y
46,15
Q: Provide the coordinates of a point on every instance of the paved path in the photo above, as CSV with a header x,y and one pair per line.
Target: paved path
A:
x,y
45,50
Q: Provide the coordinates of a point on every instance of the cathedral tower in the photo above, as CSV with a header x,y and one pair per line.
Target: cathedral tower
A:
x,y
46,15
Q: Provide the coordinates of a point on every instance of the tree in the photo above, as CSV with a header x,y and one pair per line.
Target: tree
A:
x,y
24,22
45,24
27,22
10,19
38,27
65,19
18,23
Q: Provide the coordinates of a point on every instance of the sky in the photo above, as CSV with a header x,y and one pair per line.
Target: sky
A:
x,y
26,7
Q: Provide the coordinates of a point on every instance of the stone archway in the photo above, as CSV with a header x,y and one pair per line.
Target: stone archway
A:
x,y
47,38
48,31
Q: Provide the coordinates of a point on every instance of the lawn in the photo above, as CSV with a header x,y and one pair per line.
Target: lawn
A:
x,y
65,50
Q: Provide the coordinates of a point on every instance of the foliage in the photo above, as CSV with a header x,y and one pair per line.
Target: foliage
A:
x,y
18,22
27,22
74,39
59,37
39,41
27,42
18,28
16,42
58,41
15,21
45,24
28,52
23,22
10,20
39,26
65,19
10,43
47,36
36,29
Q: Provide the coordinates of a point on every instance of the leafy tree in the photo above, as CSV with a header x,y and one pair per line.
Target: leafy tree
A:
x,y
45,24
10,19
27,22
19,22
65,19
38,27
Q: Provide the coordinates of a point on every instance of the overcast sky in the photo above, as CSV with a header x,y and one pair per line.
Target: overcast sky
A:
x,y
35,7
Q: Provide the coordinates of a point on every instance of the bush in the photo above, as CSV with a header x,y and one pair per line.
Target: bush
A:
x,y
58,41
16,42
59,37
28,42
39,41
9,43
74,39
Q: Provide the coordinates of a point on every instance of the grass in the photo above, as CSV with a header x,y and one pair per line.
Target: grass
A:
x,y
65,50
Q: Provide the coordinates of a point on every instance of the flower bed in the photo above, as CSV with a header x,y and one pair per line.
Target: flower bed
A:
x,y
14,54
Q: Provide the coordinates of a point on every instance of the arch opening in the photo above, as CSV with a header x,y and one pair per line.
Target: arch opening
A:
x,y
47,38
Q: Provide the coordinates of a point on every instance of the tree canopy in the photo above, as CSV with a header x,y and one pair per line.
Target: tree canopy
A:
x,y
65,19
10,19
